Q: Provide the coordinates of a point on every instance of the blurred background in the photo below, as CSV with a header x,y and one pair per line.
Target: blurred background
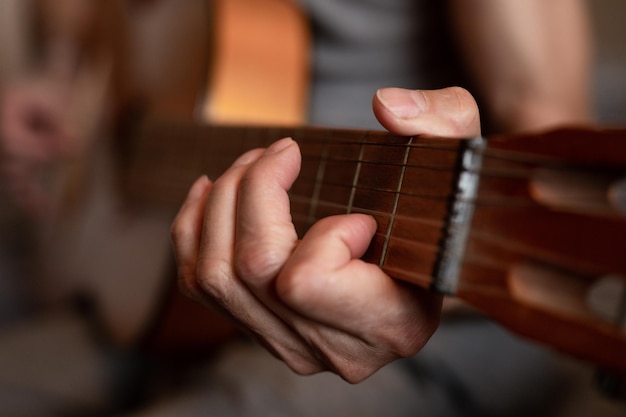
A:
x,y
610,57
95,94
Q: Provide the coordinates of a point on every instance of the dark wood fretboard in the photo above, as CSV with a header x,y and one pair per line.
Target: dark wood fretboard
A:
x,y
408,185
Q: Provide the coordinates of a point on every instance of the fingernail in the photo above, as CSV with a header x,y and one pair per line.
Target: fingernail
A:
x,y
402,103
278,146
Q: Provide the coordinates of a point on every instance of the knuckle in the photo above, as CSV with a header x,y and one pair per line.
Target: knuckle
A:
x,y
303,367
411,341
255,177
249,179
350,357
215,278
297,361
466,110
407,337
186,278
184,226
223,185
355,369
293,285
257,261
292,352
358,374
178,230
187,288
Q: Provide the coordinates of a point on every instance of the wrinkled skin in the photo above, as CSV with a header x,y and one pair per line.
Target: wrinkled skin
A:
x,y
312,302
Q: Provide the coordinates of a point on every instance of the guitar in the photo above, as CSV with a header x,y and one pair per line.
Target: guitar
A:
x,y
530,230
526,229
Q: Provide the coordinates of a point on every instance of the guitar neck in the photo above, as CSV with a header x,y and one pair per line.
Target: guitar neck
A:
x,y
410,187
526,256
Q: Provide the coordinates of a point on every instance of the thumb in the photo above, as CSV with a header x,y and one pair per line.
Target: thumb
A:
x,y
450,112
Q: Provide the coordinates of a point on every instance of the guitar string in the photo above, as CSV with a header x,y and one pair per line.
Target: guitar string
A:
x,y
422,142
423,250
518,172
492,199
268,135
177,182
502,173
418,243
425,196
413,219
319,175
487,197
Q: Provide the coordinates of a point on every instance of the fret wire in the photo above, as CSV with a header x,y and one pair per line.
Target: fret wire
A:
x,y
498,155
408,242
391,164
491,199
418,145
388,191
491,153
355,178
382,190
225,130
383,256
342,207
505,155
393,145
505,201
357,209
514,173
498,173
485,173
413,242
317,187
495,154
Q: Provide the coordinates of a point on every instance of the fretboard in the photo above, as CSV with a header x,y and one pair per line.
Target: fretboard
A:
x,y
408,185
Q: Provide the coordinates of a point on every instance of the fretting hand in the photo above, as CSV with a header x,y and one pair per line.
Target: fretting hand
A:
x,y
312,302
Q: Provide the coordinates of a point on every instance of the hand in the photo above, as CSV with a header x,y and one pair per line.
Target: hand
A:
x,y
312,302
35,134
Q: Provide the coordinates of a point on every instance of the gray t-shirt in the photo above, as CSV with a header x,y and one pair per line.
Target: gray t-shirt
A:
x,y
362,45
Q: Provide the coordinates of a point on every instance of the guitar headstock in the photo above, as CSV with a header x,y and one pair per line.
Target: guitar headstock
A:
x,y
547,250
